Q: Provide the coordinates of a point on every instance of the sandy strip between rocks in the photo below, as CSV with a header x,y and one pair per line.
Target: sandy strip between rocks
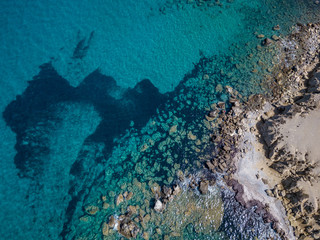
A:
x,y
254,174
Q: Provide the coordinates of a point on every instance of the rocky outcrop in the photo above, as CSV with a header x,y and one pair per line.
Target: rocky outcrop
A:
x,y
128,228
292,138
267,145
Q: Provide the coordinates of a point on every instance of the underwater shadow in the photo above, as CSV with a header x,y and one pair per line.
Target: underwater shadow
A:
x,y
35,106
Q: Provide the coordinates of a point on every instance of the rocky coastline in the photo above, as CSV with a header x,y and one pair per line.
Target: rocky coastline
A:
x,y
267,145
265,152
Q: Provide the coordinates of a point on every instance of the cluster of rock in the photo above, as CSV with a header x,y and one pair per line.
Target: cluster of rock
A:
x,y
195,200
295,92
166,194
225,141
174,207
300,178
126,224
297,99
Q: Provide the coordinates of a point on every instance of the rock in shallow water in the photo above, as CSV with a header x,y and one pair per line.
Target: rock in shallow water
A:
x,y
128,228
204,187
204,212
158,206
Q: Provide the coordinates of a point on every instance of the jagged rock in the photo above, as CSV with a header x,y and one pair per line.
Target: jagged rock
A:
x,y
204,187
210,165
176,190
128,228
210,119
265,181
166,192
129,196
266,42
275,37
120,199
296,197
289,183
269,192
222,105
229,89
132,210
112,222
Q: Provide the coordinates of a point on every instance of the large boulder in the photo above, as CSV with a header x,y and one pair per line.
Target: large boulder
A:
x,y
128,228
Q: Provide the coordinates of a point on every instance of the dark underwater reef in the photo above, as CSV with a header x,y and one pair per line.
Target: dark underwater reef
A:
x,y
32,115
36,106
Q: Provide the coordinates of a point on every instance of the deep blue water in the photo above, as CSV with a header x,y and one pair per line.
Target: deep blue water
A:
x,y
103,97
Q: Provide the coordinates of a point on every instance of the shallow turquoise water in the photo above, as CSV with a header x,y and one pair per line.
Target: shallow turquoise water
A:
x,y
75,134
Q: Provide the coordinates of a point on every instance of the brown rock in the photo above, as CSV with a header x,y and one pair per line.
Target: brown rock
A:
x,y
204,187
105,205
219,88
229,89
266,42
176,190
276,28
269,193
85,218
173,129
104,198
105,229
145,235
221,105
112,222
210,165
125,194
265,181
209,118
166,192
129,196
132,210
205,77
120,199
146,218
128,228
91,209
191,136
175,234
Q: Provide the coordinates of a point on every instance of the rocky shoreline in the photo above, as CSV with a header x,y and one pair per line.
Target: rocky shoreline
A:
x,y
264,152
268,145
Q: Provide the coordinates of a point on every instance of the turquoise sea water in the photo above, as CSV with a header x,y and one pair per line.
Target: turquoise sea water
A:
x,y
103,97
